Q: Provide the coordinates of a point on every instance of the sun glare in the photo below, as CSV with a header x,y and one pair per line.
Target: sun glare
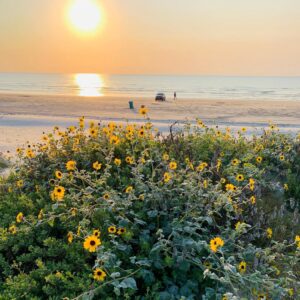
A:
x,y
89,85
85,15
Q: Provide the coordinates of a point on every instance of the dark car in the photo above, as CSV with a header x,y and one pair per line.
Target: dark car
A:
x,y
160,97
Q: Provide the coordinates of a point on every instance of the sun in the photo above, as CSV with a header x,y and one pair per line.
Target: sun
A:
x,y
85,15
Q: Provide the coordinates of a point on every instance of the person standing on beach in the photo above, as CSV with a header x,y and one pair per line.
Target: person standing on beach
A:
x,y
175,96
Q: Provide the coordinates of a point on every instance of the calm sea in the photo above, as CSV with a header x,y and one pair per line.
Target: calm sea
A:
x,y
202,87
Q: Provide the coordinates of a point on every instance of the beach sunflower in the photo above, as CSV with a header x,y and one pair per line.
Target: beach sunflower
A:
x,y
269,232
259,159
167,177
12,229
112,229
121,231
129,160
19,217
91,243
97,233
239,177
58,174
30,153
173,165
71,165
297,240
70,237
235,162
97,166
253,199
230,187
143,110
114,140
129,189
166,157
106,196
93,132
117,162
281,157
99,274
141,132
216,243
242,267
20,183
41,215
58,193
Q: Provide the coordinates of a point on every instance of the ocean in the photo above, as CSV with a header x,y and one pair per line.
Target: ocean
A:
x,y
186,86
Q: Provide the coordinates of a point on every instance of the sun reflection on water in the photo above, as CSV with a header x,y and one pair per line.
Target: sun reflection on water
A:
x,y
90,85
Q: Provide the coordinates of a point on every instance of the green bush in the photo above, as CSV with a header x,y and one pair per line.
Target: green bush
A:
x,y
197,214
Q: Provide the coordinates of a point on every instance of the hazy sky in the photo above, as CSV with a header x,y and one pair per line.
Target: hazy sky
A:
x,y
233,37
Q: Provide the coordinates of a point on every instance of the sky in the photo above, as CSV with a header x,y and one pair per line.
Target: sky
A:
x,y
207,37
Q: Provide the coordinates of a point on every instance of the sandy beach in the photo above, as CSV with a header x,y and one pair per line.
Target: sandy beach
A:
x,y
25,117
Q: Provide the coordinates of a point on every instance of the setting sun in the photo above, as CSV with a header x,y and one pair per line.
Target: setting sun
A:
x,y
85,15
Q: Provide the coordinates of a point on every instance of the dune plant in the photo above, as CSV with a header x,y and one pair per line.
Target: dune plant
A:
x,y
118,211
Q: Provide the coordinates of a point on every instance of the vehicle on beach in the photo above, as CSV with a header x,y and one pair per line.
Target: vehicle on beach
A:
x,y
160,97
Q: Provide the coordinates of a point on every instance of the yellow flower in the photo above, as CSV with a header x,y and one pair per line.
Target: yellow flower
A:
x,y
58,193
91,243
93,132
166,157
41,214
74,211
143,110
253,199
281,157
167,177
106,196
71,165
235,162
173,165
297,240
222,180
30,153
19,217
99,274
259,159
244,129
230,187
58,174
12,229
242,267
129,189
269,233
117,162
19,150
114,140
239,177
112,229
97,233
97,166
121,231
205,184
141,132
20,183
216,243
70,237
238,225
286,187
202,166
129,160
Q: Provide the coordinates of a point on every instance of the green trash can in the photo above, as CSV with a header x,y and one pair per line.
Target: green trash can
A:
x,y
131,104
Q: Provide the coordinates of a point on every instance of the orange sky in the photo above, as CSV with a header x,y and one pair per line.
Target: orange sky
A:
x,y
226,37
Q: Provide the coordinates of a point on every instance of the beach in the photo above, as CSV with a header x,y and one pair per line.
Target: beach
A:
x,y
24,117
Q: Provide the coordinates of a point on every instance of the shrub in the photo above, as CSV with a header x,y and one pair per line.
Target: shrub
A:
x,y
122,212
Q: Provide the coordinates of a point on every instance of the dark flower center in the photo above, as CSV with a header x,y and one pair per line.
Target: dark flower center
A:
x,y
92,243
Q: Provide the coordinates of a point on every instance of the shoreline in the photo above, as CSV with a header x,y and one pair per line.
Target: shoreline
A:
x,y
25,117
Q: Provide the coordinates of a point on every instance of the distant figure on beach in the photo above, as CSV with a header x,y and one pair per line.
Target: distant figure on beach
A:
x,y
175,96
